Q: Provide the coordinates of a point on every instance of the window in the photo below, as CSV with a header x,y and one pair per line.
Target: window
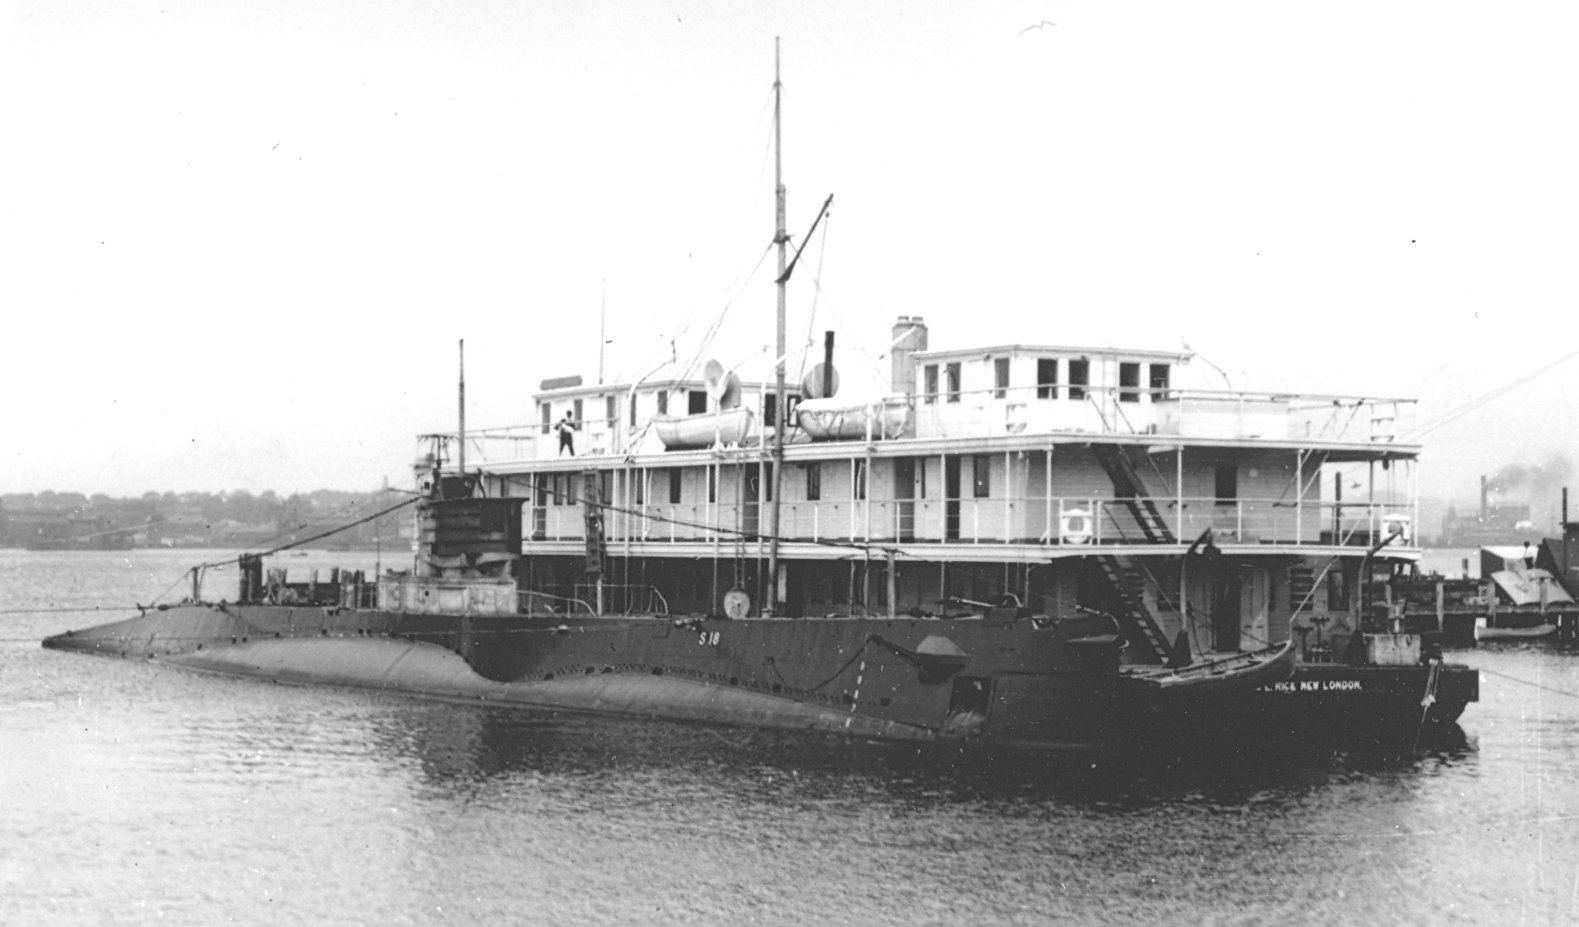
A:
x,y
767,482
813,481
1337,591
951,381
639,486
611,410
929,379
696,401
674,485
577,416
1160,374
663,402
770,410
1128,380
564,490
712,484
1079,378
859,488
1000,377
1227,483
548,417
1046,378
633,408
982,480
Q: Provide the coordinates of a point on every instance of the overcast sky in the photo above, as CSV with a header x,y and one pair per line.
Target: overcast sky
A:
x,y
241,240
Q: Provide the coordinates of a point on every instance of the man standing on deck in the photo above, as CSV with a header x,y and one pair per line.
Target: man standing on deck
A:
x,y
566,430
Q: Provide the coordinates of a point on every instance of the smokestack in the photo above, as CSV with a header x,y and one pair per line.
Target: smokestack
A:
x,y
827,364
910,336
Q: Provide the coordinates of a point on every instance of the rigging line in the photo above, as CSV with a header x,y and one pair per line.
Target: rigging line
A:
x,y
1484,398
237,559
96,534
706,340
61,610
327,516
1533,685
748,535
816,291
317,537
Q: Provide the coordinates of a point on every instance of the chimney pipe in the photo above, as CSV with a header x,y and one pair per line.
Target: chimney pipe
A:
x,y
909,336
827,363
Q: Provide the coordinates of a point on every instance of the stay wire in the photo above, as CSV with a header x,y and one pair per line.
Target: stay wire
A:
x,y
1533,685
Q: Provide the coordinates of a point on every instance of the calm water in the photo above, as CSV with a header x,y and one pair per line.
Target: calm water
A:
x,y
131,793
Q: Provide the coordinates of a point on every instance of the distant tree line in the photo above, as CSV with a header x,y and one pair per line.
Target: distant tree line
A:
x,y
240,519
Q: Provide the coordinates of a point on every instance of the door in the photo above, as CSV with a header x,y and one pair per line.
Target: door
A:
x,y
750,493
951,498
904,497
1226,614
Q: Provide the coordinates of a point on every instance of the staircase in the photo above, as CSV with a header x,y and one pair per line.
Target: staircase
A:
x,y
1125,585
1128,487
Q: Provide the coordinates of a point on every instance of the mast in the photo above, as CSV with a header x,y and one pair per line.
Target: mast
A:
x,y
781,238
462,402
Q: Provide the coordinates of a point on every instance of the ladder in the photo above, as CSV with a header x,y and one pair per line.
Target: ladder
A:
x,y
1128,487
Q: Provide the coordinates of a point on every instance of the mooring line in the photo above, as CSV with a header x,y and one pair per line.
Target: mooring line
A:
x,y
56,611
1534,685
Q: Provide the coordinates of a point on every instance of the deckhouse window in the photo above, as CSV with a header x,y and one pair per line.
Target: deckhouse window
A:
x,y
860,479
712,484
577,416
611,410
951,381
1128,380
1047,378
696,401
813,481
633,409
639,486
1079,378
674,485
1000,377
663,402
548,417
929,379
1160,375
982,479
1227,483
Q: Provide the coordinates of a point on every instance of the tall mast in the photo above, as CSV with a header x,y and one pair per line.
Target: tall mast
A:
x,y
462,403
781,238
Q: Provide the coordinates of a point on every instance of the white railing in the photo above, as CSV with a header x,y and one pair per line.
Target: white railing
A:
x,y
1027,520
1038,410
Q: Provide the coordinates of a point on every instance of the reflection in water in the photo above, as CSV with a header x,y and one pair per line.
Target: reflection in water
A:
x,y
474,748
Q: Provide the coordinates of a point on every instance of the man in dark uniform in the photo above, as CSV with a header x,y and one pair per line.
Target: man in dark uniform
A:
x,y
566,429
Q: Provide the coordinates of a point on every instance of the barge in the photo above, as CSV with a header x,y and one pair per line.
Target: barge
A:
x,y
1024,545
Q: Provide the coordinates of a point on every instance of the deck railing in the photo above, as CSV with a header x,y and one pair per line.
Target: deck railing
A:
x,y
1030,521
1044,409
